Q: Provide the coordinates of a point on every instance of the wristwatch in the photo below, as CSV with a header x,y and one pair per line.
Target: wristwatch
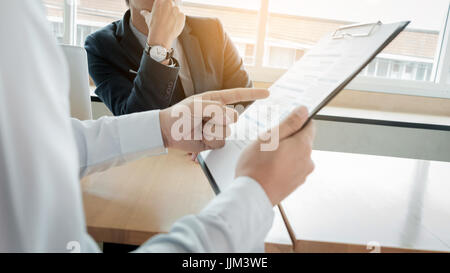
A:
x,y
158,53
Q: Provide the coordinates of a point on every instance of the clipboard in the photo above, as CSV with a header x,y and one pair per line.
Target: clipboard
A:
x,y
348,33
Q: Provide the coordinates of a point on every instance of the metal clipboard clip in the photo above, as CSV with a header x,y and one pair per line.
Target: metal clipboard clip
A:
x,y
342,32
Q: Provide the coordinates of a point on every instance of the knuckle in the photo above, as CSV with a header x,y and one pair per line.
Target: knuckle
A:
x,y
295,119
292,124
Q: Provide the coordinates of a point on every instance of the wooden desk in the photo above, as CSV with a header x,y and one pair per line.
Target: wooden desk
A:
x,y
353,200
130,204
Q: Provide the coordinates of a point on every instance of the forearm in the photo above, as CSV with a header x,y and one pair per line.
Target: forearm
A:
x,y
153,87
113,141
237,220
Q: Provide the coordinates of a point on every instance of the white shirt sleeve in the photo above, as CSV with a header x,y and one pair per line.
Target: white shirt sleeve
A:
x,y
237,220
112,141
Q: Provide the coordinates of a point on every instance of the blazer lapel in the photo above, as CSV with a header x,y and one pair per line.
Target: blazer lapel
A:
x,y
194,57
128,41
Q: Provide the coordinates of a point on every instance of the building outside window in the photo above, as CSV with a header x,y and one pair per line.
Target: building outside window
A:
x,y
410,56
271,35
55,15
239,18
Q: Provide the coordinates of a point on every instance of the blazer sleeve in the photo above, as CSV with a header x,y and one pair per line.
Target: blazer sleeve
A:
x,y
152,88
234,73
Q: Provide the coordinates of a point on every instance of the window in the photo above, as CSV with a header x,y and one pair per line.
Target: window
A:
x,y
301,23
55,15
95,14
271,35
240,23
280,56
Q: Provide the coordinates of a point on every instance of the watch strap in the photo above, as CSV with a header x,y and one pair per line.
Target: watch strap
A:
x,y
147,49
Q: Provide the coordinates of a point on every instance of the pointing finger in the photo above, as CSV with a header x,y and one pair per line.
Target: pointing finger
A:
x,y
215,111
232,96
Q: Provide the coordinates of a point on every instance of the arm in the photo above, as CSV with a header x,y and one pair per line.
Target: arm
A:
x,y
240,217
113,141
151,89
237,220
234,73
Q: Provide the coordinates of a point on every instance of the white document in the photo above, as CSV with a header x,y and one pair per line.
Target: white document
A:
x,y
313,81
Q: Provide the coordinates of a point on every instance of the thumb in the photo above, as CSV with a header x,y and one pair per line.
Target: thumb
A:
x,y
294,122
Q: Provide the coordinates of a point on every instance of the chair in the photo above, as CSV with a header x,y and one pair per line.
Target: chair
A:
x,y
80,97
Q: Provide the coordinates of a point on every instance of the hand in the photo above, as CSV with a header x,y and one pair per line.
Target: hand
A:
x,y
165,23
201,122
280,172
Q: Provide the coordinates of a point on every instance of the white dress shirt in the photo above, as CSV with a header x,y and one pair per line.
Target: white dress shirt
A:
x,y
179,55
44,153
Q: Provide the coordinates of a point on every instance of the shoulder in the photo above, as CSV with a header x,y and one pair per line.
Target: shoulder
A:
x,y
104,37
205,25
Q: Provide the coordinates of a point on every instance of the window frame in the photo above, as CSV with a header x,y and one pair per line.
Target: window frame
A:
x,y
438,87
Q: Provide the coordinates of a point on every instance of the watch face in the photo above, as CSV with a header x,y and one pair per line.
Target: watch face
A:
x,y
158,53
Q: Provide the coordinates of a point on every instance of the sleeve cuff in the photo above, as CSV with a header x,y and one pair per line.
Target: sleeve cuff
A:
x,y
148,64
141,133
248,212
